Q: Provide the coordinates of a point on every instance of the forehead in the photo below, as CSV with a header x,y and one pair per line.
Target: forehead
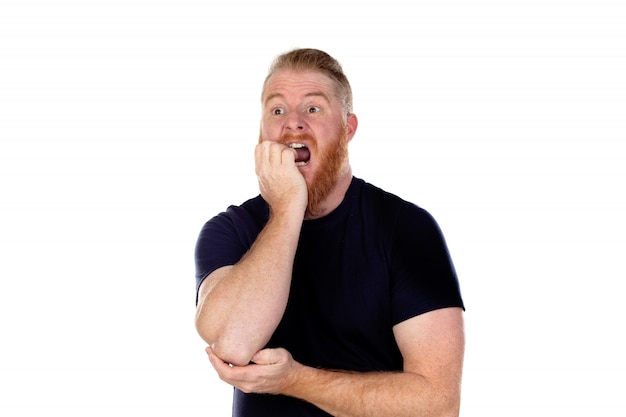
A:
x,y
293,83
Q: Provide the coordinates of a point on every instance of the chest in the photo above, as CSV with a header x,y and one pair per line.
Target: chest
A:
x,y
340,300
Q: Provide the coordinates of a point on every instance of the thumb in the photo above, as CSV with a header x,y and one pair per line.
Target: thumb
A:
x,y
265,357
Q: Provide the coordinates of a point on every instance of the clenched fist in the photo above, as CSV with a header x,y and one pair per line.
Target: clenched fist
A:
x,y
280,182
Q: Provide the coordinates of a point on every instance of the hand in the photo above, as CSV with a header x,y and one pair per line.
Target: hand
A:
x,y
272,371
280,182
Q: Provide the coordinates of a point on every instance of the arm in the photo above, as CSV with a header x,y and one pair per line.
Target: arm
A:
x,y
239,306
431,344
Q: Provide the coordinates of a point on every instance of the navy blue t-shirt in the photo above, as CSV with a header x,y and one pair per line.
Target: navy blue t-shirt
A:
x,y
372,263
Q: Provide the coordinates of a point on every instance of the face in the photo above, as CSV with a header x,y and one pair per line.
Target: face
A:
x,y
301,109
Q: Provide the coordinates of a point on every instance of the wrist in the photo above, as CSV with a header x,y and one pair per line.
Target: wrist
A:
x,y
291,211
298,380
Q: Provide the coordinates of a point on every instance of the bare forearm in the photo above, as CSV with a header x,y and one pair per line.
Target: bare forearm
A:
x,y
398,394
239,310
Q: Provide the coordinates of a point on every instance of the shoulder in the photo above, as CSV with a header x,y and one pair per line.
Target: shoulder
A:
x,y
403,225
244,220
226,237
388,207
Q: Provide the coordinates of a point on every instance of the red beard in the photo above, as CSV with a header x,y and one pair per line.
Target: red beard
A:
x,y
331,164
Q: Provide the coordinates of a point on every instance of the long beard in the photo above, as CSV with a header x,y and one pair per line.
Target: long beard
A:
x,y
332,164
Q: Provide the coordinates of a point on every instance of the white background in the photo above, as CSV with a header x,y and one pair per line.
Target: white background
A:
x,y
125,125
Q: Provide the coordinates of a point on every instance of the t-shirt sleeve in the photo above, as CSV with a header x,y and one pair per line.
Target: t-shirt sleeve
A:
x,y
423,275
223,240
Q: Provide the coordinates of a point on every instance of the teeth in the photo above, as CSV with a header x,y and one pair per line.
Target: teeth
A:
x,y
299,146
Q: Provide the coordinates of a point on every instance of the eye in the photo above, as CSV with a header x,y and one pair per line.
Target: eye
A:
x,y
278,111
313,109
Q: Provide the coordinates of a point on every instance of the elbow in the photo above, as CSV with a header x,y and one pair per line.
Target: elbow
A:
x,y
232,353
448,409
451,411
450,406
224,346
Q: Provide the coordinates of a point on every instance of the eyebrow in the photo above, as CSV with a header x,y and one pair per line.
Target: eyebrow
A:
x,y
311,94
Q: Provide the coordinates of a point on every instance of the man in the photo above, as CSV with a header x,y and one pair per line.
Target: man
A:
x,y
326,295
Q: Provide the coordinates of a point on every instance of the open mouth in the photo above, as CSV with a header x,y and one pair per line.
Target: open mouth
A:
x,y
304,155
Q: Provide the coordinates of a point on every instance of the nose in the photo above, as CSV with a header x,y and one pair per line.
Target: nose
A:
x,y
294,122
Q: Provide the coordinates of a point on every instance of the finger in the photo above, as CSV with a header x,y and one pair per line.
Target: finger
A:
x,y
272,151
211,354
215,360
289,155
225,371
267,357
212,358
262,357
268,154
261,156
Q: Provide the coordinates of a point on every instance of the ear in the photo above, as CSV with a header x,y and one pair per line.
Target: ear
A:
x,y
351,124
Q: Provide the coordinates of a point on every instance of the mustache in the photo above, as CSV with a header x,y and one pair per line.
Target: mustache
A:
x,y
303,137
